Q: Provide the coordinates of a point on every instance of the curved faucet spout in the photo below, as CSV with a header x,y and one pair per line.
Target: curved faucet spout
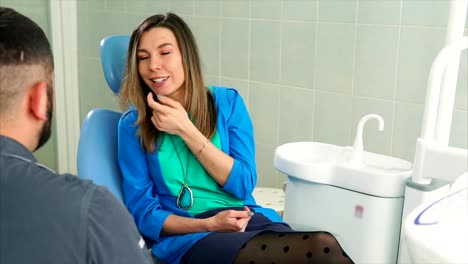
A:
x,y
358,148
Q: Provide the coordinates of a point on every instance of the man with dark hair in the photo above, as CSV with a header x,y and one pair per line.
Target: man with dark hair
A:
x,y
46,217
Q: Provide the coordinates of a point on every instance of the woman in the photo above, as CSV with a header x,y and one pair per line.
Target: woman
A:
x,y
186,152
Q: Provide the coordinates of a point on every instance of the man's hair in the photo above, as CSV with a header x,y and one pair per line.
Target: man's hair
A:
x,y
198,99
25,52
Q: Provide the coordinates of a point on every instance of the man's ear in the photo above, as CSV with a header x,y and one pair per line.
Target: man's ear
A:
x,y
38,100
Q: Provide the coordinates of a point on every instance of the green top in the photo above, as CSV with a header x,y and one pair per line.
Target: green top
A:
x,y
207,193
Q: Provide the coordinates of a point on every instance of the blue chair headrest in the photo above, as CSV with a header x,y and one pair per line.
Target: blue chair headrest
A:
x,y
113,51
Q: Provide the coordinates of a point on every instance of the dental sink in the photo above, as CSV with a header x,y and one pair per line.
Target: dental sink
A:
x,y
306,153
299,158
332,164
354,194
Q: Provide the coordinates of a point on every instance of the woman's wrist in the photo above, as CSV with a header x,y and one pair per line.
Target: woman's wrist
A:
x,y
206,224
196,141
202,148
187,131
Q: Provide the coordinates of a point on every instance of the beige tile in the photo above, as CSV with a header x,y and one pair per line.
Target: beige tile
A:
x,y
182,7
459,130
267,175
265,9
236,8
208,8
418,49
297,57
265,117
332,118
234,48
425,13
384,12
302,10
296,112
376,57
408,122
264,51
337,11
206,31
335,58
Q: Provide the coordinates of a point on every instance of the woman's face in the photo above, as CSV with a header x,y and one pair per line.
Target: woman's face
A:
x,y
160,63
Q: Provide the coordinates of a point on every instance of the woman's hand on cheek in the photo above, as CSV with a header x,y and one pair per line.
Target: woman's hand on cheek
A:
x,y
167,115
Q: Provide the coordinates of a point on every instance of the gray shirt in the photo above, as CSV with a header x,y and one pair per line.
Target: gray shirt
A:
x,y
51,218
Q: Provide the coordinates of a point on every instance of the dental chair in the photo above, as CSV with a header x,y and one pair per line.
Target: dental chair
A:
x,y
100,129
97,146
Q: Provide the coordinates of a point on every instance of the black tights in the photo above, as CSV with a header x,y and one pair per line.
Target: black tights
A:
x,y
292,247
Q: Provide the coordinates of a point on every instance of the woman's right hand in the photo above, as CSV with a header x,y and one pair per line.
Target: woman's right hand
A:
x,y
230,221
168,115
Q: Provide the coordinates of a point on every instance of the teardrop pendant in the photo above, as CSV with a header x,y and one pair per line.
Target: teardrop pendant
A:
x,y
185,198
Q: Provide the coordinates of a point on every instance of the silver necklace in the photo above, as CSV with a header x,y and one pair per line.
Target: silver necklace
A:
x,y
185,197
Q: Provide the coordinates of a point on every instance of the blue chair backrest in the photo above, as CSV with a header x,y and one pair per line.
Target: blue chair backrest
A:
x,y
97,150
113,51
97,146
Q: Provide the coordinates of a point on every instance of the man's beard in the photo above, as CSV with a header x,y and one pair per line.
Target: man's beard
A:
x,y
46,130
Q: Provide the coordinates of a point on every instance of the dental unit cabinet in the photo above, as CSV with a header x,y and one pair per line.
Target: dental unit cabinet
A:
x,y
354,194
382,209
437,230
438,166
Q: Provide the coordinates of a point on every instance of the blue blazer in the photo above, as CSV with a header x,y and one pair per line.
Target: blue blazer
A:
x,y
147,196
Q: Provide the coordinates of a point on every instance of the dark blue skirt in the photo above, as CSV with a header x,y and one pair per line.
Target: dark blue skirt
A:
x,y
224,247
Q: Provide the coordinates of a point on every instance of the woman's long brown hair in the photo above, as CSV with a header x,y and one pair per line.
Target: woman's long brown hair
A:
x,y
198,100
